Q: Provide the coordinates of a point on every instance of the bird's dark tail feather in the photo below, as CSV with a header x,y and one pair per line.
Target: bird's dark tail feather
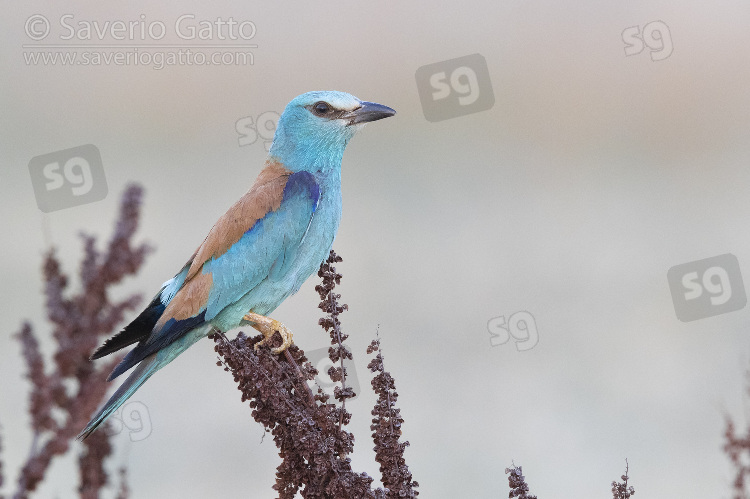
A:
x,y
139,376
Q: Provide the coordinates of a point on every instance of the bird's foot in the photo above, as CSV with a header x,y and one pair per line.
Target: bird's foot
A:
x,y
267,328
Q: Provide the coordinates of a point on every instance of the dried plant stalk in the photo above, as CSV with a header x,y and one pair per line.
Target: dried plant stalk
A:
x,y
79,322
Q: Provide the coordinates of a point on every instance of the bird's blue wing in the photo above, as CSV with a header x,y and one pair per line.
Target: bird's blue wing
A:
x,y
267,249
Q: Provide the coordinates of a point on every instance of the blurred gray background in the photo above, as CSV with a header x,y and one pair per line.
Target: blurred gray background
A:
x,y
592,175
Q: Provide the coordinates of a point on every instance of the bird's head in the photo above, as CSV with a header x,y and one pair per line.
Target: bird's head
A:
x,y
315,127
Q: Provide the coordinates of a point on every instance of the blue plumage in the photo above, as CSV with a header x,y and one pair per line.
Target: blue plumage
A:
x,y
259,252
273,241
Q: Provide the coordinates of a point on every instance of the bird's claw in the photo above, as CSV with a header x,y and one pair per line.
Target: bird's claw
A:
x,y
267,327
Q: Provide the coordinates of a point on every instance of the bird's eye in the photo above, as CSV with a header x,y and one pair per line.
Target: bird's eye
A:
x,y
322,108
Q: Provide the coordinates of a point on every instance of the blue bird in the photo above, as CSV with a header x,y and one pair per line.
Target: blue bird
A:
x,y
259,252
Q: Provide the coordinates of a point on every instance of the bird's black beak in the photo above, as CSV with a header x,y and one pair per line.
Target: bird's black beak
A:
x,y
369,111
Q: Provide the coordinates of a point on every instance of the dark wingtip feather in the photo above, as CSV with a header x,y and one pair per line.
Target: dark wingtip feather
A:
x,y
170,332
106,348
134,332
125,364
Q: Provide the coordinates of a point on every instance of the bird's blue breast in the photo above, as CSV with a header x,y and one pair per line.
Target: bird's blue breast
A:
x,y
296,262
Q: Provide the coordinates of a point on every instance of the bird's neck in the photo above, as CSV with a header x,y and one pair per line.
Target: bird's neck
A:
x,y
329,178
308,155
